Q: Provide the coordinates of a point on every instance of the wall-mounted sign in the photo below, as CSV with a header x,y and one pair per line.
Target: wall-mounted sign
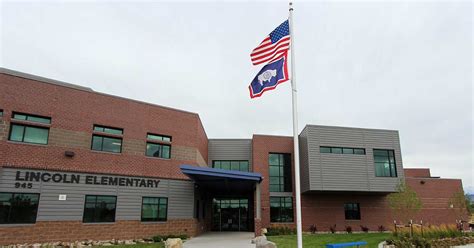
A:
x,y
34,176
62,197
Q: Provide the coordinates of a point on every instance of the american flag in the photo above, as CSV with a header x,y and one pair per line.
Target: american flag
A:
x,y
274,46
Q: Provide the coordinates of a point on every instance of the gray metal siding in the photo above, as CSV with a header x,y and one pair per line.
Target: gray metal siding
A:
x,y
346,172
180,195
304,162
230,149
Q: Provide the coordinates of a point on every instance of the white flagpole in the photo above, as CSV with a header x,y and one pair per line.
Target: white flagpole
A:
x,y
299,231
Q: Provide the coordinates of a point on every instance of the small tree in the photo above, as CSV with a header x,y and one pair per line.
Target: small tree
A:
x,y
460,204
405,203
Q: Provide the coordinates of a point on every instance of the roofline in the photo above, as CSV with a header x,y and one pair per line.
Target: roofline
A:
x,y
82,88
271,135
360,128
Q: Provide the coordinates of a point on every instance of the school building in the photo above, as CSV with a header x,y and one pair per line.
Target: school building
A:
x,y
76,164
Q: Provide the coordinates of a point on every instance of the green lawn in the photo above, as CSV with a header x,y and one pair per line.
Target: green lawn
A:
x,y
320,240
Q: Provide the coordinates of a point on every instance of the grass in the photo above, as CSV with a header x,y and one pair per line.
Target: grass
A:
x,y
320,240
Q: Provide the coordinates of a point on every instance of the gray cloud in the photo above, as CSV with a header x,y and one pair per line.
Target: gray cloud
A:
x,y
395,65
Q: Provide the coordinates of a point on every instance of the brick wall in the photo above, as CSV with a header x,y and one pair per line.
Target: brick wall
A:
x,y
74,112
47,231
262,145
418,172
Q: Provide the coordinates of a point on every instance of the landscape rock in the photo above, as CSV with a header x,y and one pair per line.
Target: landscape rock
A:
x,y
173,243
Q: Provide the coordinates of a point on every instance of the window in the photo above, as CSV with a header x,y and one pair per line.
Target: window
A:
x,y
154,208
342,150
158,146
280,172
29,134
109,130
32,118
241,165
385,163
158,150
281,209
352,211
99,208
158,137
18,208
104,143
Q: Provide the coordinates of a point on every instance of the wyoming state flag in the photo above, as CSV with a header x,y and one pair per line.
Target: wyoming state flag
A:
x,y
269,77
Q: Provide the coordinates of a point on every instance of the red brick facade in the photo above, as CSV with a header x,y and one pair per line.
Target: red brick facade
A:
x,y
47,231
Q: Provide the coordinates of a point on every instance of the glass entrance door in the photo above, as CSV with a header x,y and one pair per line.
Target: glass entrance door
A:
x,y
230,214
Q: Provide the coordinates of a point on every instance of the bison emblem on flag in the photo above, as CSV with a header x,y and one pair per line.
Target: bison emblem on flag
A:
x,y
269,77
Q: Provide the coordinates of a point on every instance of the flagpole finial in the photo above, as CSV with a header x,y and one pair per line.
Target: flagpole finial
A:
x,y
291,6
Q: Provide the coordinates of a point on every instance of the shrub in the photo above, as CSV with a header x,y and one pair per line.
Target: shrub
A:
x,y
348,229
364,229
382,228
313,229
332,228
274,231
161,238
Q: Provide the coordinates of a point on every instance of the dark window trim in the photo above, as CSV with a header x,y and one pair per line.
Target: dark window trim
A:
x,y
230,161
342,148
32,115
37,206
159,197
23,137
157,143
84,209
102,144
280,207
105,133
394,162
359,215
286,178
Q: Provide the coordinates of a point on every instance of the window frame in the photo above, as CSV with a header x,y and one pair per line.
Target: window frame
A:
x,y
350,216
107,127
102,143
159,204
95,205
159,135
389,163
32,115
286,168
214,162
159,144
35,211
342,149
282,200
24,125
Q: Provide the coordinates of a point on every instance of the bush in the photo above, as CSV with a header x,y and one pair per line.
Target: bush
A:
x,y
313,229
161,238
348,229
382,228
364,229
275,231
332,228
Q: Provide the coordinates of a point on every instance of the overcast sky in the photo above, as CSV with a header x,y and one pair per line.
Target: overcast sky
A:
x,y
393,65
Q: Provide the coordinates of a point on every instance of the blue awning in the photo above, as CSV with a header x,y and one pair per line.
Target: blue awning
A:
x,y
219,180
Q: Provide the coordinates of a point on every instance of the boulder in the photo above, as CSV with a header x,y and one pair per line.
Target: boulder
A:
x,y
268,244
264,231
262,242
173,243
259,239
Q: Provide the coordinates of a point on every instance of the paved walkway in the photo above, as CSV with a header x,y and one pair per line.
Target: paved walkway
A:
x,y
221,239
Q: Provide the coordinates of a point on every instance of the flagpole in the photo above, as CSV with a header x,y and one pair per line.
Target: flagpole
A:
x,y
299,231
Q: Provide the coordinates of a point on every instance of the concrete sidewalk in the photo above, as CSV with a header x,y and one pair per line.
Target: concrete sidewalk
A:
x,y
222,239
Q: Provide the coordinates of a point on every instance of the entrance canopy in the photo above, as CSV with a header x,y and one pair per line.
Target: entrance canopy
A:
x,y
222,181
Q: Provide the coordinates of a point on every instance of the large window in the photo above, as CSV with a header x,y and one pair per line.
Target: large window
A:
x,y
158,146
352,211
35,131
99,208
281,209
18,208
240,165
280,172
385,163
107,139
154,208
342,150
